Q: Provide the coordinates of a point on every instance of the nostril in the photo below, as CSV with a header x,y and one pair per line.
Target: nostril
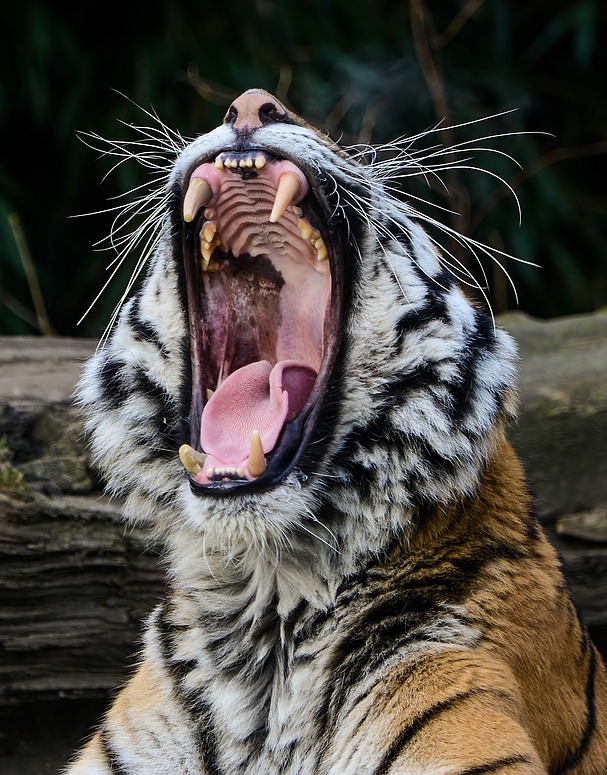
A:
x,y
231,115
270,113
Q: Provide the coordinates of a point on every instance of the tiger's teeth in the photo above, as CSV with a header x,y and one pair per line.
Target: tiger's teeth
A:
x,y
209,394
249,162
205,254
288,189
219,163
243,163
198,195
322,254
209,231
207,248
257,461
260,162
190,459
304,228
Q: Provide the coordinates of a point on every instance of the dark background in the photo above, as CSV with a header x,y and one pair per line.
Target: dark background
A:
x,y
365,70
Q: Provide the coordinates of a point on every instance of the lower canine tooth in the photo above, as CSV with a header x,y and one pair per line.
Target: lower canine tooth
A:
x,y
288,189
198,195
257,461
188,457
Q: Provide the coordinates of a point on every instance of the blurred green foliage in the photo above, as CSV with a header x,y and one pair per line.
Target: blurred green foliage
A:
x,y
366,70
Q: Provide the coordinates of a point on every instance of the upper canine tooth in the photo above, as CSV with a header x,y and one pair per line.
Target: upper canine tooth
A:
x,y
288,189
257,462
260,162
199,193
219,163
190,459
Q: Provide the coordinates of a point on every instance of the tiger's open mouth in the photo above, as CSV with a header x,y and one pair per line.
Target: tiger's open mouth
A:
x,y
264,299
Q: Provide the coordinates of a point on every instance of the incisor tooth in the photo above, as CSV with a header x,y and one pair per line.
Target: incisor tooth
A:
x,y
249,162
198,194
257,461
190,459
243,162
288,189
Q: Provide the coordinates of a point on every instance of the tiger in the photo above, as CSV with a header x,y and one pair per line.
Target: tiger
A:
x,y
303,405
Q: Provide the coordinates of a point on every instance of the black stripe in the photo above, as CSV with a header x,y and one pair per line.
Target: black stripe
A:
x,y
207,739
496,766
418,723
110,375
113,762
575,756
194,705
143,331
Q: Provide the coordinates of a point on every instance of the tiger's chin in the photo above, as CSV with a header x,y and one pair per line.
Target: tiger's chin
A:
x,y
264,287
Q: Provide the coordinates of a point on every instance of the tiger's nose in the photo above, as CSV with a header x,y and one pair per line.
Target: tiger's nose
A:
x,y
254,109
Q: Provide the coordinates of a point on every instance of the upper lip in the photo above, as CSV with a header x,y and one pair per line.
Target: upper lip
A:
x,y
304,242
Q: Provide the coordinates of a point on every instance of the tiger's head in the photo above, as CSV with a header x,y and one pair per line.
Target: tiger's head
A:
x,y
298,362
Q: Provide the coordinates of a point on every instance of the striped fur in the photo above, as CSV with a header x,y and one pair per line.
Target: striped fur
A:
x,y
391,606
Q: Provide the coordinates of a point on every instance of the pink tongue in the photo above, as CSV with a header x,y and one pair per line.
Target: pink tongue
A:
x,y
255,397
